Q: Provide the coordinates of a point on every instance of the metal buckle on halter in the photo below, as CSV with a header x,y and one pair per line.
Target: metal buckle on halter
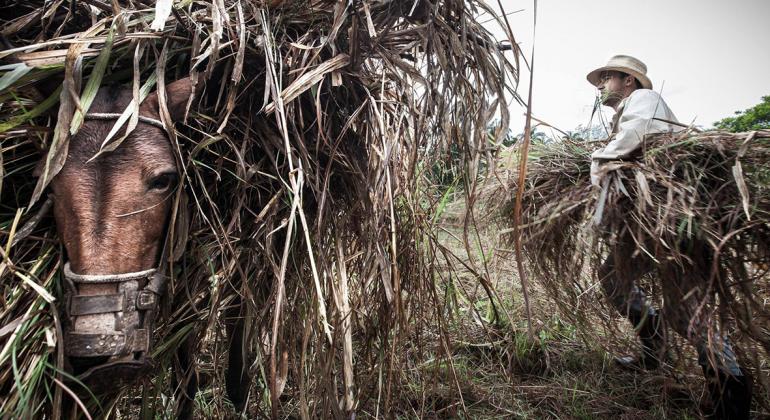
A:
x,y
127,344
146,300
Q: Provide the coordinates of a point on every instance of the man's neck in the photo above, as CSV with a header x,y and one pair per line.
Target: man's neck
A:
x,y
626,94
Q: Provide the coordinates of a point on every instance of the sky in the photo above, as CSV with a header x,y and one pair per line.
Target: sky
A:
x,y
707,58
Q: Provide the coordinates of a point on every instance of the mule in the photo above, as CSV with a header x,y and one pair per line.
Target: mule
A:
x,y
112,214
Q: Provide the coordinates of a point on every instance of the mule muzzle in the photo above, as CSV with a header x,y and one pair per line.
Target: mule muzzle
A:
x,y
105,356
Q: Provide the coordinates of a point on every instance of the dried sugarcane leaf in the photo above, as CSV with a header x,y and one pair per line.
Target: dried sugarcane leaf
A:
x,y
743,190
162,13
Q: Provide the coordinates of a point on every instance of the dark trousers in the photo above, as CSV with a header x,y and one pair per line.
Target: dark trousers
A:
x,y
684,310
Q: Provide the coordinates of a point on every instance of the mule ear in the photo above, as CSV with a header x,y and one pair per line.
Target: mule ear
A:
x,y
178,94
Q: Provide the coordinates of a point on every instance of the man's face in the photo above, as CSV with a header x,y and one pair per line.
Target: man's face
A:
x,y
614,87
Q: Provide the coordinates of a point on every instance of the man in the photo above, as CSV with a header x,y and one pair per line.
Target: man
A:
x,y
623,85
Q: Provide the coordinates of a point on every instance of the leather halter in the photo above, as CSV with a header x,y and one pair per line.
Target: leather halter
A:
x,y
134,307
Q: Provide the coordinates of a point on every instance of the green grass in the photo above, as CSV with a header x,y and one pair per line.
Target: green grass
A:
x,y
558,374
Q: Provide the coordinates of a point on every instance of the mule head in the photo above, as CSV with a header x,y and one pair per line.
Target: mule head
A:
x,y
111,214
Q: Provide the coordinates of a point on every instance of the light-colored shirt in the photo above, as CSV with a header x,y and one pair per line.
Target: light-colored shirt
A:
x,y
634,119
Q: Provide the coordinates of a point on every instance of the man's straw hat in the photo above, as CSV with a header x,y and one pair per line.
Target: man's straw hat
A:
x,y
625,64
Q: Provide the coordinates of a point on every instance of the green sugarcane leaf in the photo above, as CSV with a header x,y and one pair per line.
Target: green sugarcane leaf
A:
x,y
94,82
17,71
34,112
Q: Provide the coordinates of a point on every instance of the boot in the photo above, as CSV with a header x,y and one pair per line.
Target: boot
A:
x,y
730,395
650,330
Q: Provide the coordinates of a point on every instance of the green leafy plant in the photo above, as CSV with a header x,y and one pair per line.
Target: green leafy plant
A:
x,y
754,118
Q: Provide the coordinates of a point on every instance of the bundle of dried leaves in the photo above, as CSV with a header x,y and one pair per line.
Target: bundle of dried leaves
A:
x,y
697,203
303,164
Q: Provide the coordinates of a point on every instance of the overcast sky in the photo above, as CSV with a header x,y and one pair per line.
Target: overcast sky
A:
x,y
709,57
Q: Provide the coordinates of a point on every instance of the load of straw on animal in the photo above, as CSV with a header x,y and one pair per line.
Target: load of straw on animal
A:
x,y
302,161
695,209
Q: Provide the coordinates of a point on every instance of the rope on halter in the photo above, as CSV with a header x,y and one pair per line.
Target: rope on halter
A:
x,y
102,116
105,278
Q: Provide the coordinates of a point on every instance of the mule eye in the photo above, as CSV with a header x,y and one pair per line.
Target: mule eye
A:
x,y
163,182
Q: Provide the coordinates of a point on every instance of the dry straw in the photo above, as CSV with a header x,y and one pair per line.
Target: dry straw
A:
x,y
304,166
